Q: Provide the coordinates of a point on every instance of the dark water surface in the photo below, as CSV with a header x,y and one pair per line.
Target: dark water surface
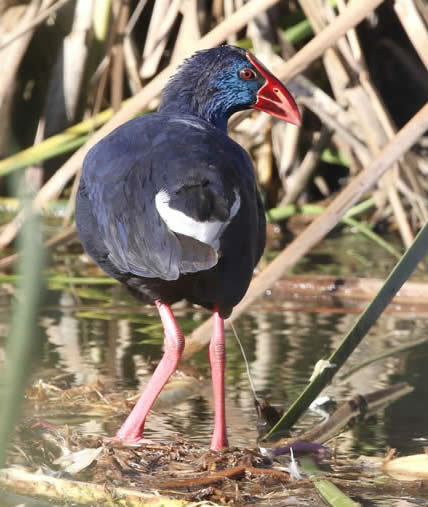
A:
x,y
99,332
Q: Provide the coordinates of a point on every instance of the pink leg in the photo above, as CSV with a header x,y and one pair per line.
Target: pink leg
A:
x,y
217,353
132,429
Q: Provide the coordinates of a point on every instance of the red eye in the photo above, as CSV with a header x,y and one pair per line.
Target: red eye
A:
x,y
247,74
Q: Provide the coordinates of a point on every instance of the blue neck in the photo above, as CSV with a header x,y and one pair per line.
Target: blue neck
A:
x,y
215,111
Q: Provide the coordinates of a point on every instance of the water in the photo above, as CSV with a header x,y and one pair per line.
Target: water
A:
x,y
99,332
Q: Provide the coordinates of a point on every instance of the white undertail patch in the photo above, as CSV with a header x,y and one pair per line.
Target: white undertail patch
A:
x,y
208,232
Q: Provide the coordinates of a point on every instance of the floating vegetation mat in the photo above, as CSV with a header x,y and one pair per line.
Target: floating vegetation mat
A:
x,y
61,463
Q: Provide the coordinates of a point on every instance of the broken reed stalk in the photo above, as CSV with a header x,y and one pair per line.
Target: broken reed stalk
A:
x,y
66,490
359,406
396,279
330,493
356,12
320,227
350,290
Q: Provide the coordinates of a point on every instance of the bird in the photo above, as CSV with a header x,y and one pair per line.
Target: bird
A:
x,y
168,205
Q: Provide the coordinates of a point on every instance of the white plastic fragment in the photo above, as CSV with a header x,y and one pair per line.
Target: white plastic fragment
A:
x,y
75,462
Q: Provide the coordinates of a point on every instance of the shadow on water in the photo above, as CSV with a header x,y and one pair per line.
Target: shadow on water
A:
x,y
100,333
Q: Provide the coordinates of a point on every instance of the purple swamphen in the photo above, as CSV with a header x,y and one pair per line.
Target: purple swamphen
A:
x,y
168,205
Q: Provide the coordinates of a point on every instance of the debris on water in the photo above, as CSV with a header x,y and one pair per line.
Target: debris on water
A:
x,y
179,469
55,461
357,407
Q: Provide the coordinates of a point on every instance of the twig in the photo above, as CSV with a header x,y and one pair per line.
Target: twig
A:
x,y
236,472
398,208
117,63
68,77
417,198
422,9
355,13
307,167
366,105
134,17
379,128
131,65
189,32
317,14
331,114
285,211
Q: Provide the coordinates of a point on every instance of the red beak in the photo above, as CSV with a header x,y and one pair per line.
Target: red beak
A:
x,y
273,97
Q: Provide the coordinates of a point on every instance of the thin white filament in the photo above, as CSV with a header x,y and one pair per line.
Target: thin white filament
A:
x,y
245,360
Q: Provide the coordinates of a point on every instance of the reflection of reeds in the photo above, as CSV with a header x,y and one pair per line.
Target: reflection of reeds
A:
x,y
23,329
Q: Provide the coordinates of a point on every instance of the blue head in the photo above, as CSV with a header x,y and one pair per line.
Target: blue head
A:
x,y
215,83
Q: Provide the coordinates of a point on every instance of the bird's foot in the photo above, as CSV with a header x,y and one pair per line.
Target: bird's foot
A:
x,y
219,442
